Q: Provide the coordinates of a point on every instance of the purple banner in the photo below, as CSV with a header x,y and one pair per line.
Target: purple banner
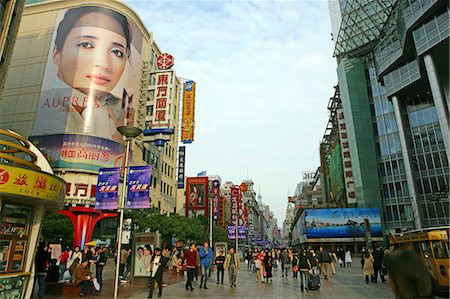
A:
x,y
138,196
107,188
232,232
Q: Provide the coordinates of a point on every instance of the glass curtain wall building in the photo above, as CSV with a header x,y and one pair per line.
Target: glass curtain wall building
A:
x,y
394,83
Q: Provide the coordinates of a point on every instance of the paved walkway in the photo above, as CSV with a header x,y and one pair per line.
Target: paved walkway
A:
x,y
348,283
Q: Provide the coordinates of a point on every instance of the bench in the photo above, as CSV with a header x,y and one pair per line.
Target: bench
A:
x,y
62,289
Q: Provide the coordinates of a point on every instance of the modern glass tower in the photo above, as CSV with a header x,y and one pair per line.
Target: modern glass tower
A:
x,y
393,58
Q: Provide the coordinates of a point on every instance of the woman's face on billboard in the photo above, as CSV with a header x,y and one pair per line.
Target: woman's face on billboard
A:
x,y
93,58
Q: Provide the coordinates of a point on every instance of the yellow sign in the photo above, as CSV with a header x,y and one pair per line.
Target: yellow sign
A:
x,y
31,183
188,123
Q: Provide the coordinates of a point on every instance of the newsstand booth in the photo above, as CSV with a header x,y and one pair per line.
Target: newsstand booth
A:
x,y
28,189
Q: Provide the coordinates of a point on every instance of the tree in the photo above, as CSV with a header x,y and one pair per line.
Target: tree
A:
x,y
193,229
57,228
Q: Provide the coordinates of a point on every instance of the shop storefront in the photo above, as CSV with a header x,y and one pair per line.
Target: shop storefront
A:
x,y
28,189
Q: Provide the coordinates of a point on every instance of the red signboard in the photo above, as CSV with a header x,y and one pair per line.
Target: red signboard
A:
x,y
164,61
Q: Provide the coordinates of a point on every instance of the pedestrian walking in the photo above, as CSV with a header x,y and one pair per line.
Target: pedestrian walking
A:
x,y
206,256
99,265
219,261
232,264
259,266
324,260
341,257
333,261
176,261
41,260
63,258
378,255
284,257
348,258
76,254
249,258
295,257
268,264
304,266
368,266
190,260
158,262
122,263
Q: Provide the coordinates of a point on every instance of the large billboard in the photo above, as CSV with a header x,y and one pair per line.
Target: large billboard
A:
x,y
91,82
188,117
342,224
196,196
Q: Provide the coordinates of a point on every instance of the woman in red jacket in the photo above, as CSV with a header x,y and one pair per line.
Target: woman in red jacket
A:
x,y
190,260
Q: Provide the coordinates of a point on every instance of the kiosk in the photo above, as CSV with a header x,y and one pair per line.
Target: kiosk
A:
x,y
28,188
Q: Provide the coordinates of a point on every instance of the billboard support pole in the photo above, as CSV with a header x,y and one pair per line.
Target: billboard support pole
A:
x,y
130,133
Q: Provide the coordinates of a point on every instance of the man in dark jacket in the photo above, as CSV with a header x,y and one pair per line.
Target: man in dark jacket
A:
x,y
378,255
304,265
99,265
157,265
324,259
41,260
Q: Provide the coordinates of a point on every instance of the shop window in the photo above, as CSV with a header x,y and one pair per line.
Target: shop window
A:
x,y
14,229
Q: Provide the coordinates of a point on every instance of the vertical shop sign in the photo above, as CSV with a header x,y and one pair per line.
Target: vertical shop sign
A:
x,y
181,161
188,122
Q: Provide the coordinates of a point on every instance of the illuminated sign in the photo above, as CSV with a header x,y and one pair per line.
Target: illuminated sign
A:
x,y
162,102
164,61
187,122
31,183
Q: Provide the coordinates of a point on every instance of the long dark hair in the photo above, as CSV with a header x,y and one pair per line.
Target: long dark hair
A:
x,y
409,274
74,14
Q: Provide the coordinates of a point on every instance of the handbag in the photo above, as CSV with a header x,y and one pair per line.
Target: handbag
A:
x,y
295,269
258,264
96,284
384,270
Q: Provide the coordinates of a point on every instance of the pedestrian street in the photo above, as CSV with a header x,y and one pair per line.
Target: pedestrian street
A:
x,y
348,283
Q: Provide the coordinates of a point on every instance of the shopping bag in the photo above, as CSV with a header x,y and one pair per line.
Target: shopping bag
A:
x,y
96,284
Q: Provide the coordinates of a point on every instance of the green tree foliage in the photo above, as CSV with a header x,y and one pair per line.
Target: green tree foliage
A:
x,y
57,228
194,229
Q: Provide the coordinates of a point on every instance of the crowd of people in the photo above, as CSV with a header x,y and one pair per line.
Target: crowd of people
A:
x,y
307,266
72,266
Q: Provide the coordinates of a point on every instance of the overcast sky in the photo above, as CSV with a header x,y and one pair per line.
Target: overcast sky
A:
x,y
264,73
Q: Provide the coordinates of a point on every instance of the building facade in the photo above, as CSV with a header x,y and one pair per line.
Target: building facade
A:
x,y
394,88
10,16
75,123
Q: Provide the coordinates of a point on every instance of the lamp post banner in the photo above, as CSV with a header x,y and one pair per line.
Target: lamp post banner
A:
x,y
107,188
138,196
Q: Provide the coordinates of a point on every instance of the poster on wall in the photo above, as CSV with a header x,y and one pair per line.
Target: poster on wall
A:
x,y
345,224
91,80
188,116
142,258
196,196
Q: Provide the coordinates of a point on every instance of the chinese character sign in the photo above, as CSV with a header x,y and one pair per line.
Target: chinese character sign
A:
x,y
188,122
107,188
234,201
18,181
163,99
181,161
80,152
216,200
138,196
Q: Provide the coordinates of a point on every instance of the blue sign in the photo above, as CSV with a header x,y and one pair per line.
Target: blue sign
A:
x,y
138,196
342,223
232,232
181,160
107,188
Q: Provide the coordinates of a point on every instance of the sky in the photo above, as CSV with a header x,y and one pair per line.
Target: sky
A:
x,y
264,72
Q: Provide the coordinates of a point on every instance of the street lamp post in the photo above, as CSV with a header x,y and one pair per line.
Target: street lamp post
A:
x,y
130,133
